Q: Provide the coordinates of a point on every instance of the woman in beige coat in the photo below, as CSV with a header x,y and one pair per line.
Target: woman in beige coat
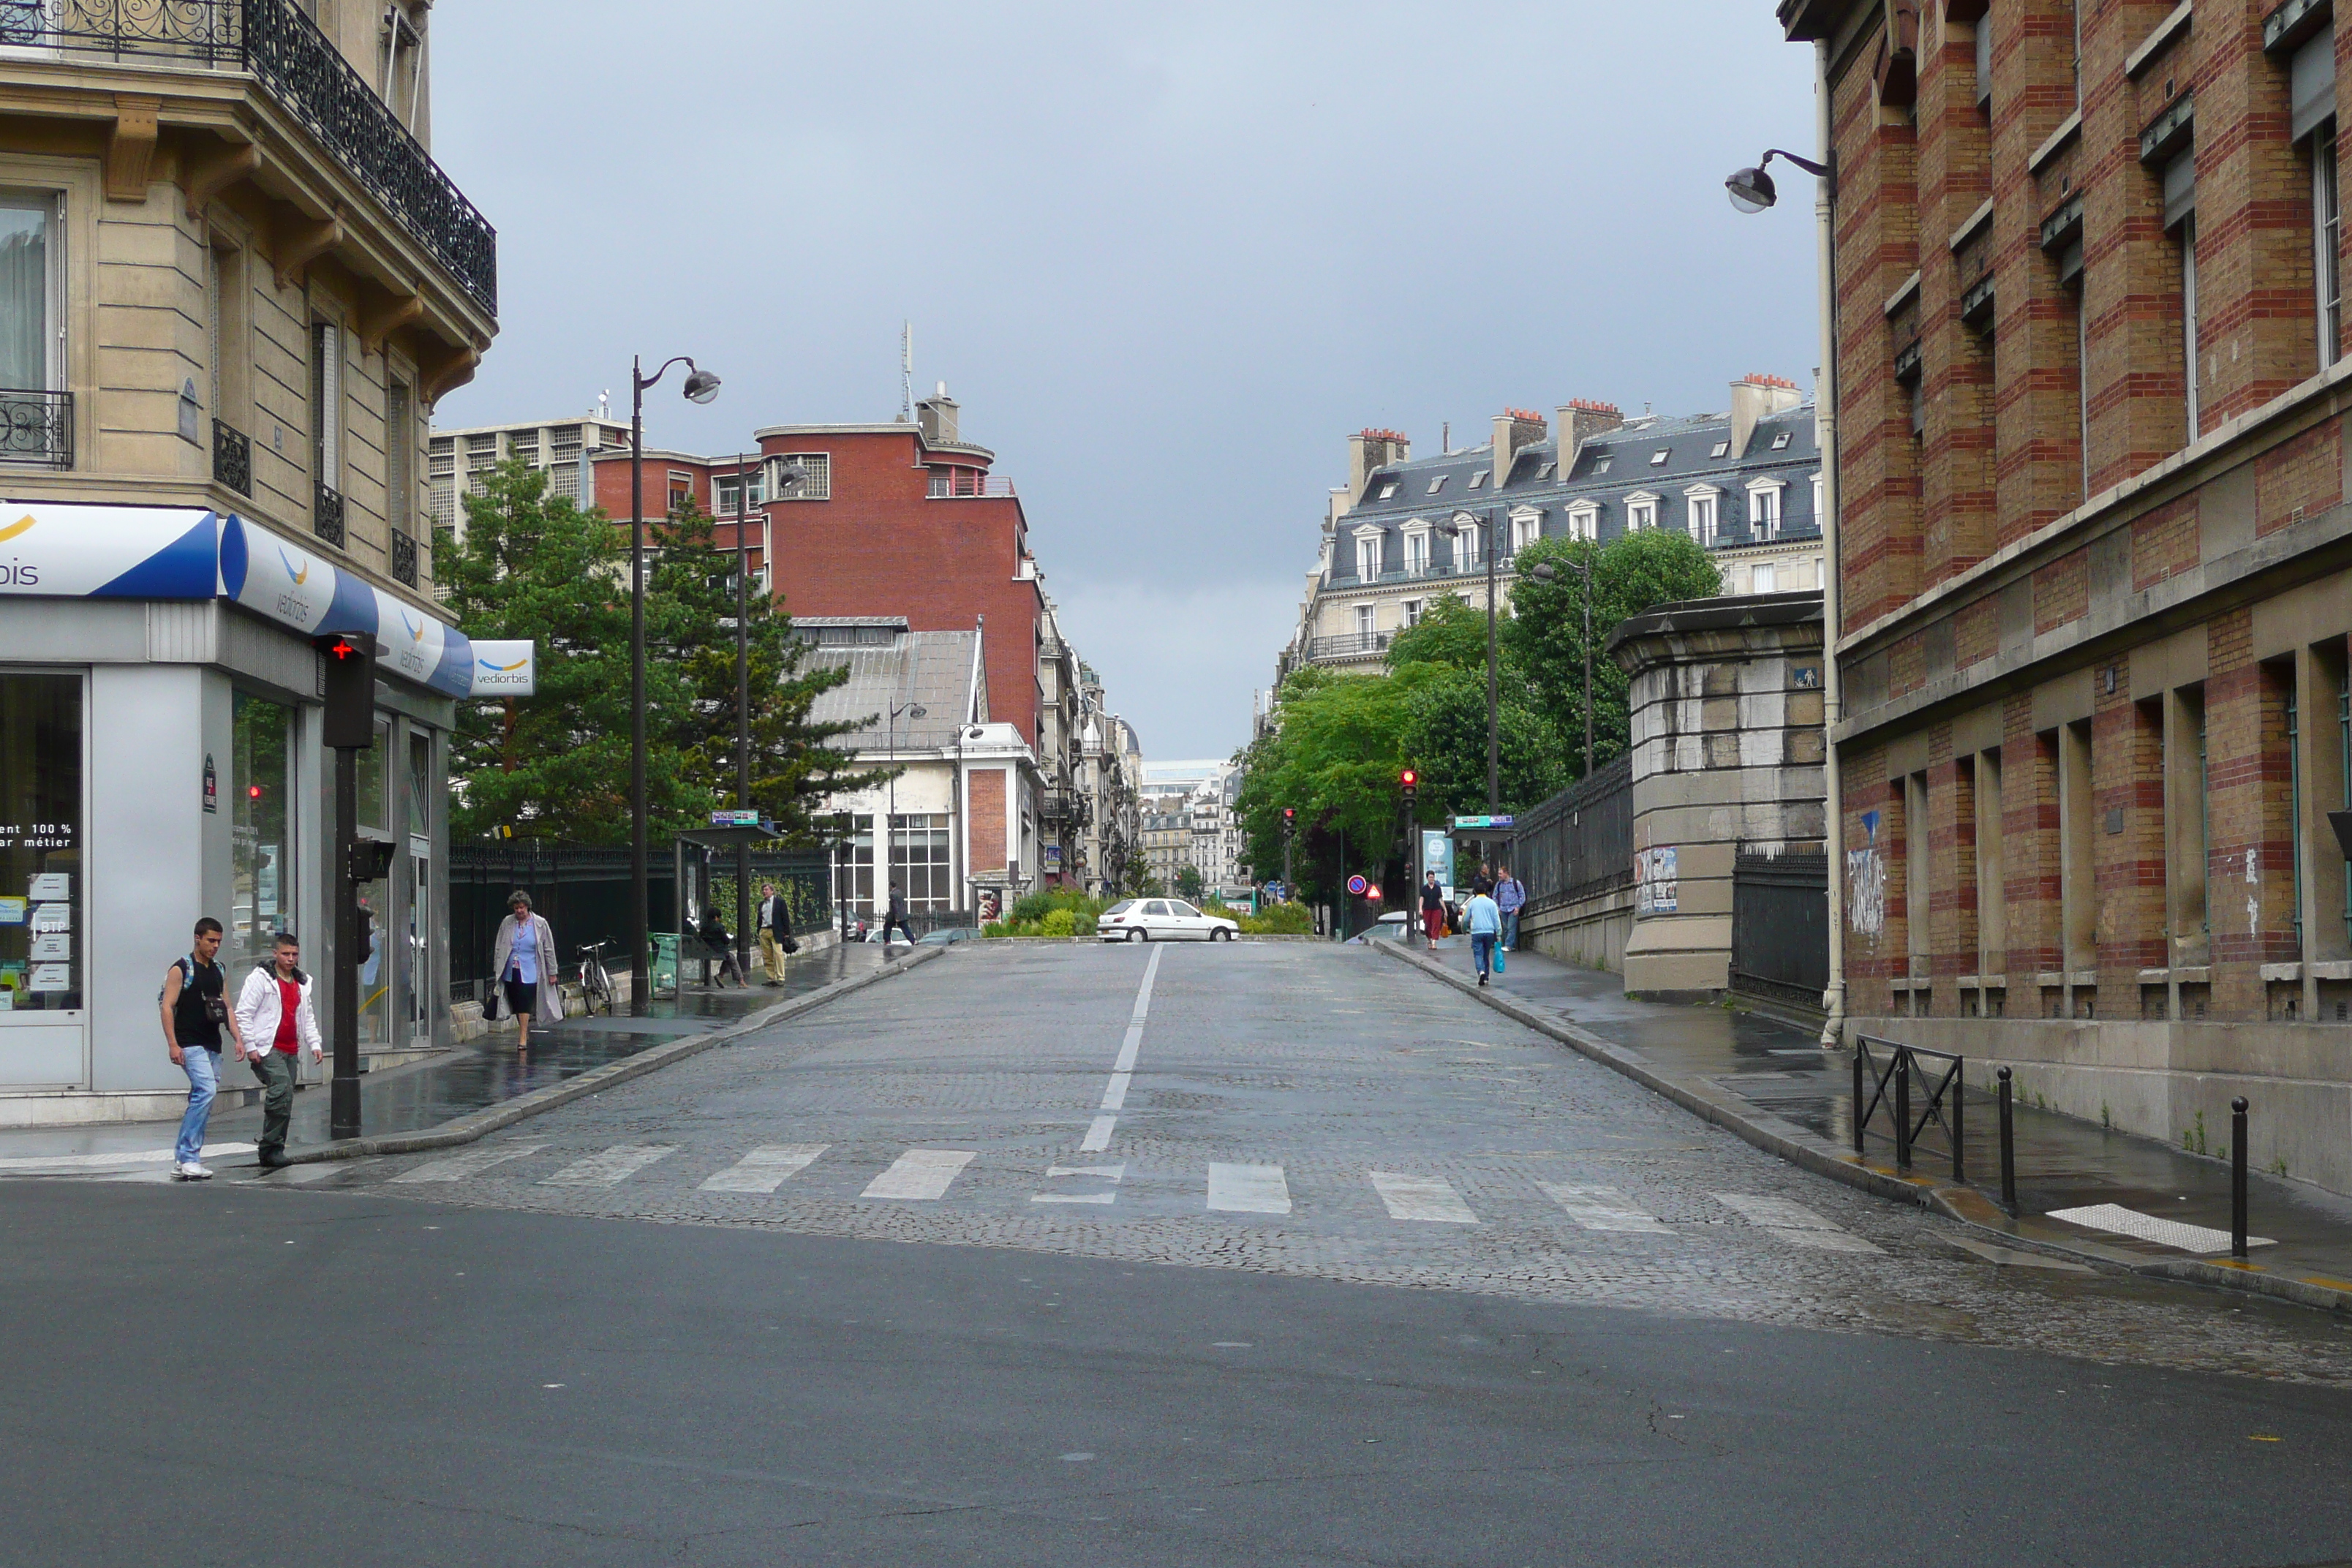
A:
x,y
525,966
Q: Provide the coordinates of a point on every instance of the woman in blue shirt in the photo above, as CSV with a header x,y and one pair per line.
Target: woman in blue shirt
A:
x,y
524,962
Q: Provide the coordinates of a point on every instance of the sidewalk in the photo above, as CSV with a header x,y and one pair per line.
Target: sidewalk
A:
x,y
1770,1083
479,1074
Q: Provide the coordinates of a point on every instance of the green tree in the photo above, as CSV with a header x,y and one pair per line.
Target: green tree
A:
x,y
1445,739
555,763
690,618
1334,757
1451,631
1634,572
1189,885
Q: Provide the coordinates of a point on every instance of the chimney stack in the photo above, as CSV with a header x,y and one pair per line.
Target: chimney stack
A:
x,y
939,418
1515,430
1370,451
1581,420
1754,399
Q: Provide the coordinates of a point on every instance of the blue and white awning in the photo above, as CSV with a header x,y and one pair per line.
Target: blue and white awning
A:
x,y
57,551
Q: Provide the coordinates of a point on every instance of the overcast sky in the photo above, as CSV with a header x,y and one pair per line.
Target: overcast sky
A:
x,y
1167,257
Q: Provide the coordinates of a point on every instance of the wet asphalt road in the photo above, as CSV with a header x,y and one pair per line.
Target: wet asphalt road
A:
x,y
1517,1310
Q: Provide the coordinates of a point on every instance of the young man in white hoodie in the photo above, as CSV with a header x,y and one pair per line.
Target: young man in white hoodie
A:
x,y
275,1021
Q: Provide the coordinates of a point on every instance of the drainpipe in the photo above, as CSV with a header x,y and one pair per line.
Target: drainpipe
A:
x,y
1825,441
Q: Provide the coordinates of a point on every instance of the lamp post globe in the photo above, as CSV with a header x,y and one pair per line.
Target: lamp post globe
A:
x,y
1752,190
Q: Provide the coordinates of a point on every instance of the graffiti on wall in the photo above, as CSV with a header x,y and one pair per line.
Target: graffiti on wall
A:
x,y
1866,882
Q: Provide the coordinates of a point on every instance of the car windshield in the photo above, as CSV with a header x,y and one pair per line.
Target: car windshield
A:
x,y
1120,908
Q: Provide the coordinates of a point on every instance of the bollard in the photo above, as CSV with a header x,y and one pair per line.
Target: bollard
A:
x,y
2008,1150
2238,1177
1902,1107
1960,1142
1861,1049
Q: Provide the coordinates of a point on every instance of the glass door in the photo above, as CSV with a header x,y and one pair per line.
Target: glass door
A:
x,y
43,933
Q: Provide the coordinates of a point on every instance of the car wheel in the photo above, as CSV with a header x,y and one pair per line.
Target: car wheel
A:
x,y
1136,935
1221,934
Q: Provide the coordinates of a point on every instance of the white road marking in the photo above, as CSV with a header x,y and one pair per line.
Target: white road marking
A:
x,y
1114,1173
1115,1093
1248,1189
764,1169
472,1162
1421,1198
110,1162
920,1174
2120,1221
1793,1223
603,1170
1602,1208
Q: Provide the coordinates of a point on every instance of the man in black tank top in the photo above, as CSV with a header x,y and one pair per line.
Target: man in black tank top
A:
x,y
195,1012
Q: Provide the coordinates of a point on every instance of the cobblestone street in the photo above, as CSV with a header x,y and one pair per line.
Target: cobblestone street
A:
x,y
1340,1075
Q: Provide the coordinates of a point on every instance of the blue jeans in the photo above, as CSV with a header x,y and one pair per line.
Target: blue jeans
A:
x,y
202,1068
1482,950
1511,930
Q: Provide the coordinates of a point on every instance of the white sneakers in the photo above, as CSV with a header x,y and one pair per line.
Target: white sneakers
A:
x,y
191,1171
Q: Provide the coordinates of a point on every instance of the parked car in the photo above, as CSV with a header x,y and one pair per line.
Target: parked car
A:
x,y
1162,920
944,935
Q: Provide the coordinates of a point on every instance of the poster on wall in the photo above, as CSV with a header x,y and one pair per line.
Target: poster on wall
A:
x,y
1437,855
1656,881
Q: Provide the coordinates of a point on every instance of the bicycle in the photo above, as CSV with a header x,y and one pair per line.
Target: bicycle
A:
x,y
595,984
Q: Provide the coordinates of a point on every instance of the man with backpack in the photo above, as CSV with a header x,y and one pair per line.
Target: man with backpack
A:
x,y
194,1004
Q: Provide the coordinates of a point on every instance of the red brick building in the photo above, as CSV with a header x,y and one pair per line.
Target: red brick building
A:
x,y
2092,550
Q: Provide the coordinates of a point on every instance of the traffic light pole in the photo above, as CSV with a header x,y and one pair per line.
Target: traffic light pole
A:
x,y
343,1095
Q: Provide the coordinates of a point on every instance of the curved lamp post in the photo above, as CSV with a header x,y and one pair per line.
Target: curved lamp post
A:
x,y
701,386
1751,189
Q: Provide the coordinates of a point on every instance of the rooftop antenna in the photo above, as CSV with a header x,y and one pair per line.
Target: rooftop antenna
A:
x,y
906,371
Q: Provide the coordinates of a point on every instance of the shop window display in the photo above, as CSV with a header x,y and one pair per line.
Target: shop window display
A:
x,y
261,795
41,930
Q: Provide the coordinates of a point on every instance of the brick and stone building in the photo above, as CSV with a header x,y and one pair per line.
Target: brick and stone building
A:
x,y
2094,550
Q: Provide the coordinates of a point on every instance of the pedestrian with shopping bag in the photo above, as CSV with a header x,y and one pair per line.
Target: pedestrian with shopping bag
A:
x,y
194,1001
275,1022
1486,923
523,959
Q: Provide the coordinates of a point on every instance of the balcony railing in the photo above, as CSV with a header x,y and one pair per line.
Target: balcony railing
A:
x,y
232,458
404,558
327,515
37,427
308,76
1348,644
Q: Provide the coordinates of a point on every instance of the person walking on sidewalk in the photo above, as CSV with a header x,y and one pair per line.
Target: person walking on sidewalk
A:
x,y
1486,923
195,1008
524,960
897,916
1432,910
1510,897
775,919
274,1021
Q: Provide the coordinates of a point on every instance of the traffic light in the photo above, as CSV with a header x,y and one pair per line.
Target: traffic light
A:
x,y
1289,820
350,661
1409,780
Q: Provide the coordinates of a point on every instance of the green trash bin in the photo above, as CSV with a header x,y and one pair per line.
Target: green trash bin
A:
x,y
664,965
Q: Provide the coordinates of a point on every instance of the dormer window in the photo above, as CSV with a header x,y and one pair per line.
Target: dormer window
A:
x,y
1602,466
1435,484
1543,471
1780,442
1720,450
1641,512
1584,522
1764,508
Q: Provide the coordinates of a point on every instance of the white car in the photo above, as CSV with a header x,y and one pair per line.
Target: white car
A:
x,y
1162,920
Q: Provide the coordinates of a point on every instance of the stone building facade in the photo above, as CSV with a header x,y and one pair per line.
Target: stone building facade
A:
x,y
2094,551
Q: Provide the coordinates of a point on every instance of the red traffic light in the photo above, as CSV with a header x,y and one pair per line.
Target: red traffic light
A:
x,y
1408,778
253,791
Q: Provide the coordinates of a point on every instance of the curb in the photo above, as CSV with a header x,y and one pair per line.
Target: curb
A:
x,y
1776,1135
480,1123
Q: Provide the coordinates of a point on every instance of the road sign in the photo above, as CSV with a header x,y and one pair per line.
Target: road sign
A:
x,y
1506,820
1373,892
1274,893
1355,885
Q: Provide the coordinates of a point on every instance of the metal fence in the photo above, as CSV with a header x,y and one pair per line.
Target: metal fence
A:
x,y
1580,841
583,891
1781,925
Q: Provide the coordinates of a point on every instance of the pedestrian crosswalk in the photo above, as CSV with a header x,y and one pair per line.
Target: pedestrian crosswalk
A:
x,y
1231,1188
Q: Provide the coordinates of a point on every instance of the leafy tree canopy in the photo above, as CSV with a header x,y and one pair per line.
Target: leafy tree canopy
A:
x,y
1451,631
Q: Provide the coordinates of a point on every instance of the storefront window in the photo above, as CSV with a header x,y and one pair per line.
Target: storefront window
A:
x,y
918,861
375,968
262,793
41,930
420,784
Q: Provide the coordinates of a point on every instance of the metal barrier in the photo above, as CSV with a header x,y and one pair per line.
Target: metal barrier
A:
x,y
1945,1097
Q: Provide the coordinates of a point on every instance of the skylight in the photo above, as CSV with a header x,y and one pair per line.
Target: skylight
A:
x,y
1436,484
1388,490
1477,478
1660,456
1602,466
1780,441
1544,471
1722,448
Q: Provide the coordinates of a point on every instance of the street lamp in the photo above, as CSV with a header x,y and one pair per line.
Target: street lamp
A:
x,y
701,386
1751,189
883,841
1470,523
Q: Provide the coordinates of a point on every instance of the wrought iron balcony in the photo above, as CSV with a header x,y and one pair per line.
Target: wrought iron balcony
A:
x,y
404,558
37,427
308,76
233,459
327,515
1348,644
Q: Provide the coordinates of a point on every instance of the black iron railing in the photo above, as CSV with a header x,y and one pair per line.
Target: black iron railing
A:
x,y
327,515
1890,1085
1348,644
404,558
232,458
37,427
306,74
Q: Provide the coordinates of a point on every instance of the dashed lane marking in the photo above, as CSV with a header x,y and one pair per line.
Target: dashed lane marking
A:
x,y
764,1169
1112,1174
1602,1208
920,1174
1248,1189
604,1170
1430,1198
473,1162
